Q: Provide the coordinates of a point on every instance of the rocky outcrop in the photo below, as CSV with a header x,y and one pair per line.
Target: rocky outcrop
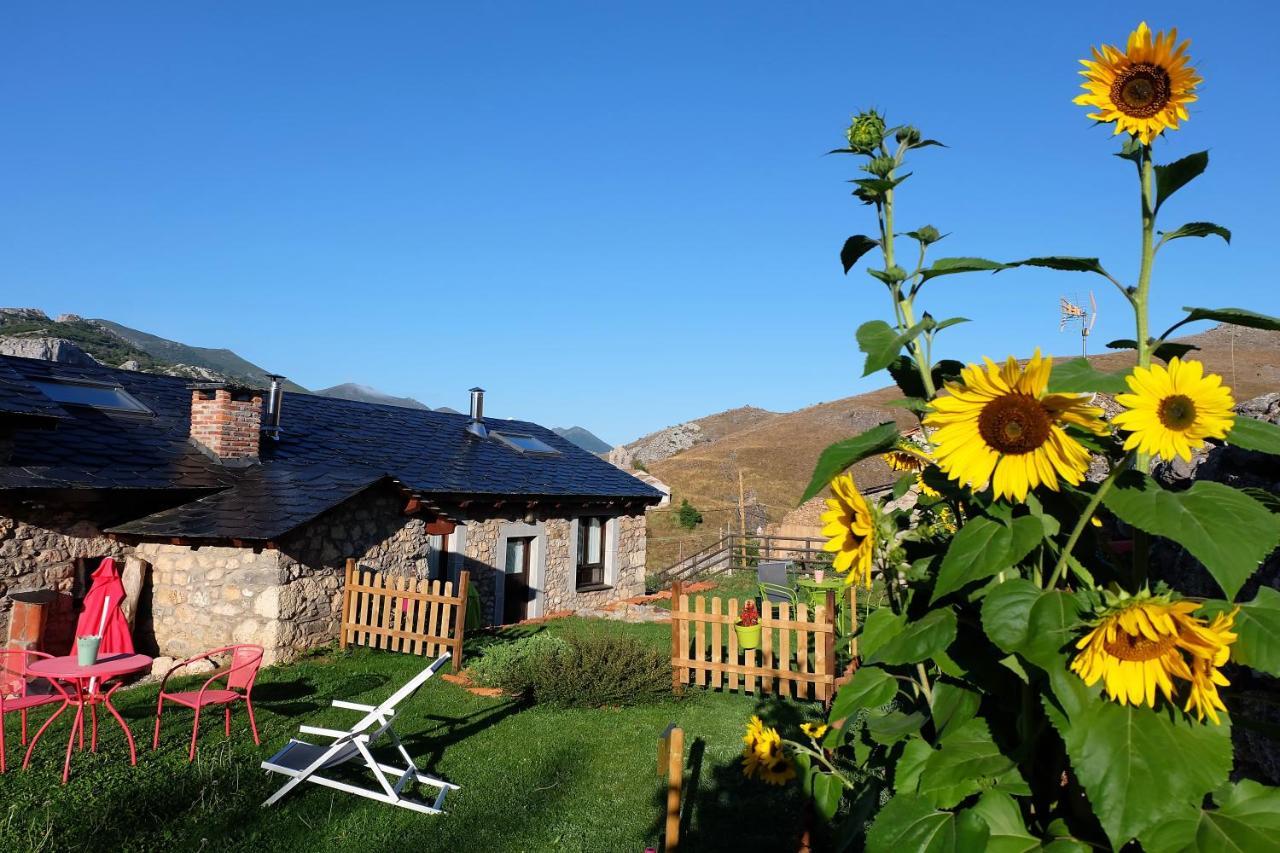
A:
x,y
659,445
46,348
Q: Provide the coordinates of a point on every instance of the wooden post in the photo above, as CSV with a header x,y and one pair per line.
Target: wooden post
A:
x,y
132,579
853,622
460,617
742,518
676,652
675,778
346,603
829,645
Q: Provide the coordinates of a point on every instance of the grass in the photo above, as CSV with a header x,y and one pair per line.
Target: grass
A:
x,y
533,778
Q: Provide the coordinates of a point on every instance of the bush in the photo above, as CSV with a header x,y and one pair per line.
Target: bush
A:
x,y
591,671
688,516
509,666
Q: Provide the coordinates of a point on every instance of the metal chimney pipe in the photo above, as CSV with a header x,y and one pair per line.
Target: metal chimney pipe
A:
x,y
476,427
275,401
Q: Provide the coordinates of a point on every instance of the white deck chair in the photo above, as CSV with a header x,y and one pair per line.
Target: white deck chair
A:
x,y
302,761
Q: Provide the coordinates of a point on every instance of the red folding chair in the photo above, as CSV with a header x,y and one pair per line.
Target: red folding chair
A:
x,y
16,682
239,674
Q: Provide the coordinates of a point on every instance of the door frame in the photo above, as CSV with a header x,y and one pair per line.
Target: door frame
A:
x,y
537,566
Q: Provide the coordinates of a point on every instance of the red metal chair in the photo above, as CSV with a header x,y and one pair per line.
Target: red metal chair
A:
x,y
239,673
15,681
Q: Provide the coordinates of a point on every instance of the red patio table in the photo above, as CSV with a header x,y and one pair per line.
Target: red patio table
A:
x,y
68,669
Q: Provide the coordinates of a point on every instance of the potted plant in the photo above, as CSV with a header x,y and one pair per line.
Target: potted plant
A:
x,y
748,627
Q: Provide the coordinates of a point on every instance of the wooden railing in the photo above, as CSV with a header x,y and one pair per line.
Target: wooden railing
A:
x,y
403,614
735,552
796,656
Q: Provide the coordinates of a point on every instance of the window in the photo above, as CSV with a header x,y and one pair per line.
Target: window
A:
x,y
92,394
591,551
524,443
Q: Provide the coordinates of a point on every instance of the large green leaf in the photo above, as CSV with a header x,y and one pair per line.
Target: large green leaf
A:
x,y
870,687
967,762
826,792
1078,376
911,823
984,547
1251,434
918,641
892,727
1006,612
1179,173
854,248
1004,820
1139,766
1247,820
1258,627
953,706
879,628
882,343
907,375
842,454
1197,229
951,266
1228,531
1234,316
1052,626
1164,351
1064,263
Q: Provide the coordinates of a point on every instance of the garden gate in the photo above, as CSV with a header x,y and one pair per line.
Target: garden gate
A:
x,y
403,614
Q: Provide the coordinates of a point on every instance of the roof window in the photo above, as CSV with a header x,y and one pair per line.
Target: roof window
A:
x,y
94,395
522,442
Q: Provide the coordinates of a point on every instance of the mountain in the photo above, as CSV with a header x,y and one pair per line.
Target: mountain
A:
x,y
584,438
365,394
775,452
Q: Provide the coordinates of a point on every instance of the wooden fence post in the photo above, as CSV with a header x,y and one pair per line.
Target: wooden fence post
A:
x,y
677,653
675,779
829,645
346,603
460,617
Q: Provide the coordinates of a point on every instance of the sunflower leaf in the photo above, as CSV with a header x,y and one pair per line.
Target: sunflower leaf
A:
x,y
910,822
968,757
1234,316
882,343
1251,434
907,376
983,548
1176,175
1247,818
842,454
1164,351
1078,376
1065,263
1225,529
1004,819
1197,229
1006,613
1258,625
870,687
854,248
951,266
919,640
893,275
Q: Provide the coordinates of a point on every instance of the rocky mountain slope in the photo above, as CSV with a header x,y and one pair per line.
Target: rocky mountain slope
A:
x,y
584,438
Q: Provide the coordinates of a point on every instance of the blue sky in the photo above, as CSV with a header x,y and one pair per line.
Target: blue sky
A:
x,y
614,215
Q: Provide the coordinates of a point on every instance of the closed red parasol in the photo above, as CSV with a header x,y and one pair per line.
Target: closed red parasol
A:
x,y
106,592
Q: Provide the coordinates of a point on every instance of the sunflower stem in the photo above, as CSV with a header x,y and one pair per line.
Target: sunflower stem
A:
x,y
924,684
1060,568
1141,302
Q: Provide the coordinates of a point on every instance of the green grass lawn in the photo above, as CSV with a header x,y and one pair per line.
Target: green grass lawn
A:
x,y
533,778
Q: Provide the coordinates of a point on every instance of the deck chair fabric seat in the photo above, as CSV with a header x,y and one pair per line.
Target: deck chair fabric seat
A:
x,y
302,761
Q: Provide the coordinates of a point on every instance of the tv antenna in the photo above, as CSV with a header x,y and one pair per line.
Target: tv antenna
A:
x,y
1074,313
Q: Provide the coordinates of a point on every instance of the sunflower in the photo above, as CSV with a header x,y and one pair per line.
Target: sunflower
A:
x,y
1173,410
907,455
999,425
1145,88
814,730
849,523
763,754
1144,643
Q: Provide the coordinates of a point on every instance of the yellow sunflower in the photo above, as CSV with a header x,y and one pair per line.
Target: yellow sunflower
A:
x,y
1145,88
1205,677
1173,410
814,730
764,756
1145,643
1000,425
909,456
849,523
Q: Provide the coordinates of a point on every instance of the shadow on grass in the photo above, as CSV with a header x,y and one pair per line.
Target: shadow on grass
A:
x,y
428,747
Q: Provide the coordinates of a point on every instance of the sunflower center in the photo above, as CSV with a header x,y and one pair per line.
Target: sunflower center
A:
x,y
1014,424
1137,647
1141,90
1177,412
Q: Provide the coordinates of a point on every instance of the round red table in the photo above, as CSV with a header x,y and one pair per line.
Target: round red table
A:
x,y
89,681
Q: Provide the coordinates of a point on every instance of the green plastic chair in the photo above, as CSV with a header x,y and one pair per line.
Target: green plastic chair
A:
x,y
771,578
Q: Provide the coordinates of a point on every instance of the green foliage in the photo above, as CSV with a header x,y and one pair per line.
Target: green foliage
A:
x,y
854,248
1258,624
510,666
1197,229
882,343
1079,376
1179,173
842,454
1255,435
688,516
601,670
1246,818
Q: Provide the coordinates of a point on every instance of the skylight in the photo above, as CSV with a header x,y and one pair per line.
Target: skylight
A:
x,y
524,443
111,398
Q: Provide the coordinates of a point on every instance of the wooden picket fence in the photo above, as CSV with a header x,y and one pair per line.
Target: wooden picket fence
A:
x,y
403,614
796,656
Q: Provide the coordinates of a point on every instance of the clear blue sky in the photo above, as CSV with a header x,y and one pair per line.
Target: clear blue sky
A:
x,y
611,215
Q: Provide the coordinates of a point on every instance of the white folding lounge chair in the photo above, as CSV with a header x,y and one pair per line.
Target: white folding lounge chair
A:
x,y
302,761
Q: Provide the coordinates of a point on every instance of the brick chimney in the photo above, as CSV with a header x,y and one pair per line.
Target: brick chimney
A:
x,y
226,422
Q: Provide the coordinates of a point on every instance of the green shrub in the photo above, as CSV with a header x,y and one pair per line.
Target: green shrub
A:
x,y
508,666
592,671
688,516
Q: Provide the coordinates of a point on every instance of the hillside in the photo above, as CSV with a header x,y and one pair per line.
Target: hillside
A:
x,y
776,454
667,442
584,438
366,394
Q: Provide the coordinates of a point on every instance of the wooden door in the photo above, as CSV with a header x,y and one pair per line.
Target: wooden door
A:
x,y
516,593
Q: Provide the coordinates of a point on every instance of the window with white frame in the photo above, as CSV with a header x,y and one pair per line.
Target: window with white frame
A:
x,y
592,547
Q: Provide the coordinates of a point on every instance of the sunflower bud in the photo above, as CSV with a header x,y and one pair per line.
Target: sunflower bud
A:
x,y
881,166
907,134
866,131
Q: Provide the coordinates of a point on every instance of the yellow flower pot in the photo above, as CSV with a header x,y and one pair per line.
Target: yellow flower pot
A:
x,y
748,636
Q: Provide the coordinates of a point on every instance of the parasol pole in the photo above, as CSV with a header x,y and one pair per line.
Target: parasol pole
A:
x,y
102,626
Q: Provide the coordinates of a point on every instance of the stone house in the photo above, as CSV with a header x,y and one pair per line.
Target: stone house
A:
x,y
245,505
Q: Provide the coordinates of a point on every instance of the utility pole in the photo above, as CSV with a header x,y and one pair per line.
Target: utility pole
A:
x,y
742,517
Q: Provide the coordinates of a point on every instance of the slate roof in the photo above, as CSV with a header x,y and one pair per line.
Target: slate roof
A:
x,y
329,450
20,397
